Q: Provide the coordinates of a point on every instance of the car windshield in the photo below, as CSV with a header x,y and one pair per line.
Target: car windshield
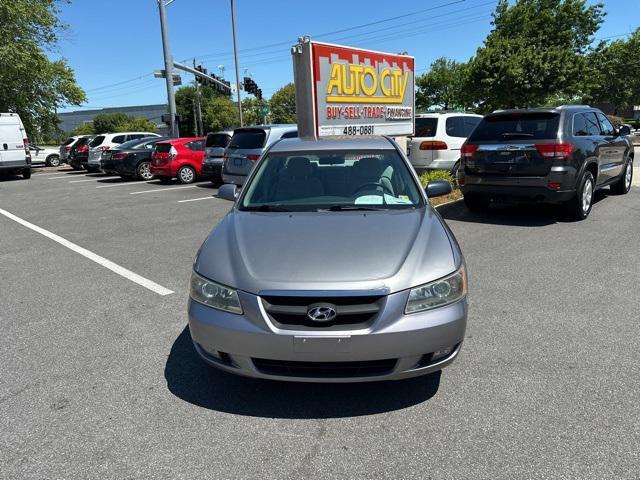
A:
x,y
332,180
517,126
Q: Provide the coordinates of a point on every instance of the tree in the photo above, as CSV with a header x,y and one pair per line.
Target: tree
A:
x,y
444,85
283,105
31,84
251,111
109,122
138,124
218,113
615,69
84,129
115,122
185,98
536,50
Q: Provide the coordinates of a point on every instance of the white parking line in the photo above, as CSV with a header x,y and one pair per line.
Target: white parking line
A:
x,y
68,176
120,184
195,199
92,179
162,189
114,267
48,174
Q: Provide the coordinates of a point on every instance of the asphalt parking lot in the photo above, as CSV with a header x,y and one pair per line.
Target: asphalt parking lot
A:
x,y
99,379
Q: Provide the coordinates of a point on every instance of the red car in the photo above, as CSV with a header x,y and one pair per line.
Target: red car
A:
x,y
179,158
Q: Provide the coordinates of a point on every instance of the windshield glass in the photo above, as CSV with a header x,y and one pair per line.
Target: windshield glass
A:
x,y
332,180
534,125
248,139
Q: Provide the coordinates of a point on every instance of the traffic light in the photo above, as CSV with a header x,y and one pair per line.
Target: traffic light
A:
x,y
200,80
251,87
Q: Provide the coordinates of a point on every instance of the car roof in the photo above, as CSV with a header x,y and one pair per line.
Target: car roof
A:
x,y
333,143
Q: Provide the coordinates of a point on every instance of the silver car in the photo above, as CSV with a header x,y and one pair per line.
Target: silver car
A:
x,y
247,145
331,267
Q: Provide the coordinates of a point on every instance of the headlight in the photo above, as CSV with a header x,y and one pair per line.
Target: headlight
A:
x,y
436,294
213,294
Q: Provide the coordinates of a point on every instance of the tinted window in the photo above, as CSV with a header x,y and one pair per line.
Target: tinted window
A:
x,y
130,144
607,127
119,139
96,142
426,127
580,125
217,140
290,135
163,147
461,126
309,181
248,139
517,126
593,127
196,146
68,141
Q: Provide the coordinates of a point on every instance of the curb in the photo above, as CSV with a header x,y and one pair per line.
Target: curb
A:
x,y
448,203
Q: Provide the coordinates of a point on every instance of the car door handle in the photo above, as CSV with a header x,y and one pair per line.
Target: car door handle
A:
x,y
5,146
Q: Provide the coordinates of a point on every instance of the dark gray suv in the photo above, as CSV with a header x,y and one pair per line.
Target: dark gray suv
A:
x,y
556,155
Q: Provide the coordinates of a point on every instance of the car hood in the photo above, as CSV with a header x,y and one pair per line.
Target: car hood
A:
x,y
330,251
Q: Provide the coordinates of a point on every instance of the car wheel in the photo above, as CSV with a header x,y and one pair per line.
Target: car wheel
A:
x,y
26,173
454,171
186,175
580,206
476,203
143,172
623,185
52,161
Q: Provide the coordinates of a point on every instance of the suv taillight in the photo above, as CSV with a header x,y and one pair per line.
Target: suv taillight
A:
x,y
468,150
554,150
25,142
173,153
253,157
433,145
83,148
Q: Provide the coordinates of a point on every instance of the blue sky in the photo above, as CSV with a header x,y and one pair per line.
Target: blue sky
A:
x,y
114,46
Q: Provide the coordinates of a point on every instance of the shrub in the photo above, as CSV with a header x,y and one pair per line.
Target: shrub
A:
x,y
432,175
617,121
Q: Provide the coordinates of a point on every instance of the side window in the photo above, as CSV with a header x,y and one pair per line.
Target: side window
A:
x,y
196,146
119,139
593,127
290,135
580,126
607,128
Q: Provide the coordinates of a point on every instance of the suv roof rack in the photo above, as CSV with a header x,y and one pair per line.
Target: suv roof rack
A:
x,y
564,107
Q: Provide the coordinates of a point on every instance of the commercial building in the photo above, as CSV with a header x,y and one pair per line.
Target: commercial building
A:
x,y
71,120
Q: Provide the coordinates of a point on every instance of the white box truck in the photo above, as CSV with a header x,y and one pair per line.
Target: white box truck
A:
x,y
14,146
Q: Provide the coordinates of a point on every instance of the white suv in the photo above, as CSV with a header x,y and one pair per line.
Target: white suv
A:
x,y
106,141
438,138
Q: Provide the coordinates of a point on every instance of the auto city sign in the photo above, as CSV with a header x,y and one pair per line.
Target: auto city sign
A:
x,y
347,91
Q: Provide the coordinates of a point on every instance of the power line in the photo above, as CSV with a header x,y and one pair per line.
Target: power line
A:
x,y
105,87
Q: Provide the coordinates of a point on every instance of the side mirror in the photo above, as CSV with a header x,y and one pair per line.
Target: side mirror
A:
x,y
624,130
228,191
438,188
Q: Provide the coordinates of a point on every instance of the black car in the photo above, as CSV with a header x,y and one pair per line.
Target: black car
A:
x,y
555,155
80,152
131,159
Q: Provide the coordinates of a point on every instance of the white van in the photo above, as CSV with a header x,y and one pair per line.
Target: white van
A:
x,y
14,146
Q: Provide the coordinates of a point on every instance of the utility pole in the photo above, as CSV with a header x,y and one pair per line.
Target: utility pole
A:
x,y
168,69
235,56
197,118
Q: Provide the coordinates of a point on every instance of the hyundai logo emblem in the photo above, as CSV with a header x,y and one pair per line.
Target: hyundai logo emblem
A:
x,y
321,312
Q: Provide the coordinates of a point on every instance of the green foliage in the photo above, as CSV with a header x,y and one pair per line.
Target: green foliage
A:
x,y
434,175
444,85
31,84
84,129
615,72
109,122
536,50
209,99
115,122
251,111
283,105
218,113
617,121
137,124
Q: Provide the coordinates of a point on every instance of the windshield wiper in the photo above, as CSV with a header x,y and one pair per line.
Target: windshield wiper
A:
x,y
347,208
266,208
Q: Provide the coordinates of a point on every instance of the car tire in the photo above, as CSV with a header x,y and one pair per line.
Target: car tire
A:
x,y
476,203
26,173
623,185
454,171
143,172
52,161
580,205
186,174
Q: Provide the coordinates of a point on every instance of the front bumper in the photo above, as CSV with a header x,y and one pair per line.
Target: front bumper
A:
x,y
240,344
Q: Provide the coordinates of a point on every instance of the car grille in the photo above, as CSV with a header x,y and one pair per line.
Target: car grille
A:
x,y
325,369
352,312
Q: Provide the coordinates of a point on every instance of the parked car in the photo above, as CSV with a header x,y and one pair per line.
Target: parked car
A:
x,y
557,155
14,154
438,138
131,159
79,152
247,145
213,155
66,146
179,158
49,156
373,287
106,141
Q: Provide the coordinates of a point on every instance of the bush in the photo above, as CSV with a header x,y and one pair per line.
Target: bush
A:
x,y
432,175
617,121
